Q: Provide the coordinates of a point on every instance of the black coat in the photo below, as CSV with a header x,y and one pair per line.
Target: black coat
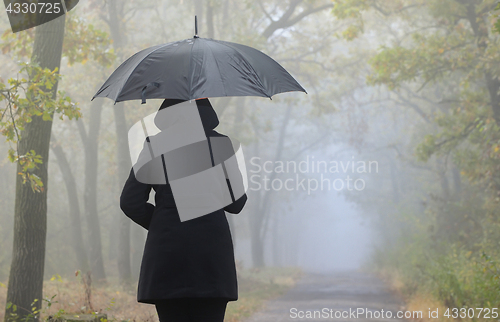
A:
x,y
194,258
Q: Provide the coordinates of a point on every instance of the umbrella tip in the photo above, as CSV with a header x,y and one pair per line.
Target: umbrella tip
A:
x,y
196,27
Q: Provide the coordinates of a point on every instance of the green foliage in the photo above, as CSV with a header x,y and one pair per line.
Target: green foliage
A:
x,y
450,42
429,58
82,42
111,304
30,94
14,316
345,9
50,301
27,96
56,277
354,10
451,251
497,22
455,275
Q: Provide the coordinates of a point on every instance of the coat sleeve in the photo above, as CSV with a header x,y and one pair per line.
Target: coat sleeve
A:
x,y
134,201
237,206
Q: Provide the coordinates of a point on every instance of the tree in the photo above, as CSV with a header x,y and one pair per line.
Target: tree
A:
x,y
74,205
453,45
438,60
30,225
118,33
28,125
292,13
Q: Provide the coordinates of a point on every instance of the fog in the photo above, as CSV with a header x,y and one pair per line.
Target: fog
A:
x,y
318,230
391,158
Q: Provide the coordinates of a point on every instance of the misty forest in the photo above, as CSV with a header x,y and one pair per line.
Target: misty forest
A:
x,y
383,177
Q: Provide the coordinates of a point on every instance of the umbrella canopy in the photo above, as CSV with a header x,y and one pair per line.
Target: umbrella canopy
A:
x,y
196,68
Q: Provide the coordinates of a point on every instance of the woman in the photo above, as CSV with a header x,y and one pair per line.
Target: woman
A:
x,y
188,269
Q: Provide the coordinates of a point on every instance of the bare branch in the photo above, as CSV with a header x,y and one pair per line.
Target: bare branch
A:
x,y
275,25
377,7
261,5
413,105
285,20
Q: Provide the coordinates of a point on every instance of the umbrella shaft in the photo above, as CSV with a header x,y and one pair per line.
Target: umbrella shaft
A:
x,y
195,26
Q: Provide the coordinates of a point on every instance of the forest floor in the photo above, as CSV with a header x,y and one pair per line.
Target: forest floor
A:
x,y
63,295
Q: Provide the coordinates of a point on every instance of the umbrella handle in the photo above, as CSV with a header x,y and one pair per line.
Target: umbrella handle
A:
x,y
143,94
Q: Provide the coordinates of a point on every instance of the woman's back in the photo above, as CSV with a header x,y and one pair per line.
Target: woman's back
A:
x,y
182,258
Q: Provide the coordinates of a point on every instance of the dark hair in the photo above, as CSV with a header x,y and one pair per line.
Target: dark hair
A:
x,y
169,102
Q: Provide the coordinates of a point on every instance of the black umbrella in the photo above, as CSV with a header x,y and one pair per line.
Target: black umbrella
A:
x,y
197,68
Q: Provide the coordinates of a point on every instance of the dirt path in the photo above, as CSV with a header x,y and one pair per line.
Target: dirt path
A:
x,y
344,292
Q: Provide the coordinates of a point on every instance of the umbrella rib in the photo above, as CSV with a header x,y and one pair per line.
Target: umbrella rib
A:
x,y
133,70
175,52
250,65
218,68
191,70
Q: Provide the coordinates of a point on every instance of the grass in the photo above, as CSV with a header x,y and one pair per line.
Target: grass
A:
x,y
453,277
417,301
120,304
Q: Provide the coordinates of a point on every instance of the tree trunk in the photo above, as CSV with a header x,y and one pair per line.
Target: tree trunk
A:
x,y
276,241
124,165
493,85
30,214
258,225
255,221
443,178
115,8
394,182
457,182
74,208
481,33
257,243
91,143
